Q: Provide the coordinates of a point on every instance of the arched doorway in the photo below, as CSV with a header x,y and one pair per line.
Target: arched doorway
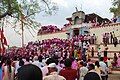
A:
x,y
75,31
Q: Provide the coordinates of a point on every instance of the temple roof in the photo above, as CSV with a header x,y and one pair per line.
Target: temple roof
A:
x,y
69,19
92,17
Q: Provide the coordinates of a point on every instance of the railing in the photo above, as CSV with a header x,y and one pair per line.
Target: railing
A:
x,y
108,51
52,32
83,25
106,25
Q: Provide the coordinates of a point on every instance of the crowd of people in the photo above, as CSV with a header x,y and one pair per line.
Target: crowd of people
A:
x,y
110,38
51,28
55,59
48,29
52,68
116,60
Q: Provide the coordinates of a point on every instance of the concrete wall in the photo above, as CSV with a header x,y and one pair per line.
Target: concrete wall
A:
x,y
61,35
105,29
99,31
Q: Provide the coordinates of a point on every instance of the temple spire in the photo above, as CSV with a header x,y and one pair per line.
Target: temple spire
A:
x,y
81,7
76,9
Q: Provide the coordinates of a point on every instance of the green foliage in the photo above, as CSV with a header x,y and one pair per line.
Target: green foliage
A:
x,y
16,8
9,7
116,8
25,11
116,3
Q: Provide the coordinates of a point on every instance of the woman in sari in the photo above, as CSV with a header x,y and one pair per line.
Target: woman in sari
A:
x,y
118,61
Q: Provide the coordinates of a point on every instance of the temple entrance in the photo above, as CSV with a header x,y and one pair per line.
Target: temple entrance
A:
x,y
76,32
68,35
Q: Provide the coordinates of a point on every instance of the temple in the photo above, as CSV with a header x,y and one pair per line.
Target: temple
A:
x,y
91,26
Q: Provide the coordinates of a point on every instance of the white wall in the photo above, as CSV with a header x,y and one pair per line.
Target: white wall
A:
x,y
61,35
101,30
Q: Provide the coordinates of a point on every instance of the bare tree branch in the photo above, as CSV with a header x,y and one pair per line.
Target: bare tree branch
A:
x,y
46,4
32,14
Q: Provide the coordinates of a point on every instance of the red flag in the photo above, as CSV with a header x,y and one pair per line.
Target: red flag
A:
x,y
0,49
3,41
3,49
2,35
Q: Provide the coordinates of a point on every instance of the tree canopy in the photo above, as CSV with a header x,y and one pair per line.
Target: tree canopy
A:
x,y
25,11
14,13
27,8
116,8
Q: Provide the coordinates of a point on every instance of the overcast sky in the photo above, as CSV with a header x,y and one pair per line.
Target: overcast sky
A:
x,y
66,8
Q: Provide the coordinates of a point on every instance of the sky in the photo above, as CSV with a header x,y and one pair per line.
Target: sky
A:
x,y
66,8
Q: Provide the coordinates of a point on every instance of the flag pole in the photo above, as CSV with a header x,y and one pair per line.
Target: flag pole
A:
x,y
22,27
0,42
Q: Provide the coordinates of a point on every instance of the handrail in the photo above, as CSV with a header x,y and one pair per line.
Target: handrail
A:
x,y
106,25
109,51
52,32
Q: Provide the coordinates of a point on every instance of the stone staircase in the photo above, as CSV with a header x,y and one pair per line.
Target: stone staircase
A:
x,y
111,51
115,70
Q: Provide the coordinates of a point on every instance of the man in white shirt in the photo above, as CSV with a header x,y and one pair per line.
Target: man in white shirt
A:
x,y
45,68
92,74
104,75
36,61
27,61
83,70
53,75
99,53
16,67
84,51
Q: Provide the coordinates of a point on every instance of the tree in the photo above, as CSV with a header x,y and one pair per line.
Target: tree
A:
x,y
16,8
116,8
24,11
